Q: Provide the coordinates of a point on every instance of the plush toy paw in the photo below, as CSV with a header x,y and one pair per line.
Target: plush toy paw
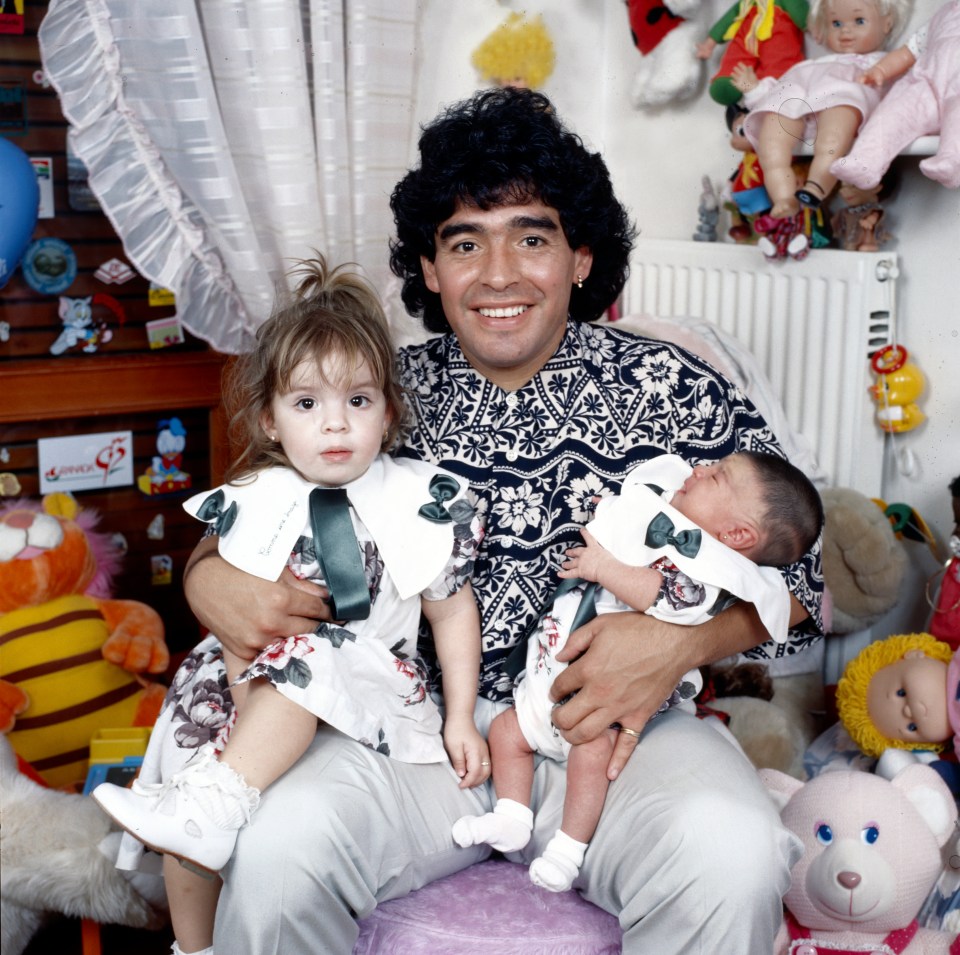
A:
x,y
136,643
13,701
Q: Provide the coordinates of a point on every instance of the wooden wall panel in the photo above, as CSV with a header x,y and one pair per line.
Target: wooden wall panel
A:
x,y
123,386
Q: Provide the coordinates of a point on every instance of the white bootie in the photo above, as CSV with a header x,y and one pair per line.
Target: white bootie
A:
x,y
506,829
194,816
558,866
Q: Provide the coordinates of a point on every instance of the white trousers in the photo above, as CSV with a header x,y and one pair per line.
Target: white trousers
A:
x,y
690,854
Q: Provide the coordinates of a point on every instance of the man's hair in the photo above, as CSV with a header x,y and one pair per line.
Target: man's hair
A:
x,y
333,315
793,518
501,147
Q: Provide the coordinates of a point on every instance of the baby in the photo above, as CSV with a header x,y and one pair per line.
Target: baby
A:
x,y
679,543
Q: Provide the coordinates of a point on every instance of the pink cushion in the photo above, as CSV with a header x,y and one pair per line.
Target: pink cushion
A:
x,y
489,907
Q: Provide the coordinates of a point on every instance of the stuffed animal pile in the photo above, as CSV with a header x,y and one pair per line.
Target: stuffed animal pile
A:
x,y
863,568
872,853
71,660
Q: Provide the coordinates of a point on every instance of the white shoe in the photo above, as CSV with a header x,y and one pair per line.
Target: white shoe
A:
x,y
194,816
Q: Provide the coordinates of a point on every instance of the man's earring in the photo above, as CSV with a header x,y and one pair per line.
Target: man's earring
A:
x,y
579,281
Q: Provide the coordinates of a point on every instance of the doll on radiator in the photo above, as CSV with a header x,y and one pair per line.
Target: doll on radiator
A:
x,y
858,226
925,101
820,101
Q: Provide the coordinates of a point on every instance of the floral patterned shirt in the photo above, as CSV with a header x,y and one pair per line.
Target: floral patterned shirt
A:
x,y
536,458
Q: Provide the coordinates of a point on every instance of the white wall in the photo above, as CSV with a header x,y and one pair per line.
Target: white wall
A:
x,y
657,160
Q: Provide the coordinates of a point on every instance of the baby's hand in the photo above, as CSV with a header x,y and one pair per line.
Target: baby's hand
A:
x,y
872,77
467,750
744,77
585,562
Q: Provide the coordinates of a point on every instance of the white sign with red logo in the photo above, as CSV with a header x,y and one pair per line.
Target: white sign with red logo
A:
x,y
86,462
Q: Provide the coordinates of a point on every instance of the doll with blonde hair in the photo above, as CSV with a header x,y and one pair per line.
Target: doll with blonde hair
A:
x,y
818,101
519,52
900,693
925,101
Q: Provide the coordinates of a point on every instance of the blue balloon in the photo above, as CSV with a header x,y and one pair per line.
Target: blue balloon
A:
x,y
19,203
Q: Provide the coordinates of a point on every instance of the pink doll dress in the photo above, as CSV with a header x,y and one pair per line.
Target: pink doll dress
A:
x,y
925,100
811,87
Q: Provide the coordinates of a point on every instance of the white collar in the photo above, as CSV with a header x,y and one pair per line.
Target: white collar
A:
x,y
273,511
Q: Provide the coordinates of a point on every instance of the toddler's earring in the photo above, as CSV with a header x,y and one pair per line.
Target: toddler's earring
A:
x,y
579,281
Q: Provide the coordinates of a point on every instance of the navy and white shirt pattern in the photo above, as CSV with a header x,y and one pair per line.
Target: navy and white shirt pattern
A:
x,y
535,459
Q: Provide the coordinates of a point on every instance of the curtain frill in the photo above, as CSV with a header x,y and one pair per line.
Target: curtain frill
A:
x,y
161,229
226,141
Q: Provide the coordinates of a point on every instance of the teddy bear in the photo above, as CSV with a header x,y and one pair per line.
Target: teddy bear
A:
x,y
71,660
871,855
666,40
863,561
58,850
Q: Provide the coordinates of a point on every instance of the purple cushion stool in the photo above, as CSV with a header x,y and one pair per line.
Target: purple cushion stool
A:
x,y
489,907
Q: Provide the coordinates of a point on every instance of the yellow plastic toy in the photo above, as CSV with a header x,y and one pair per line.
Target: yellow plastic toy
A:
x,y
898,386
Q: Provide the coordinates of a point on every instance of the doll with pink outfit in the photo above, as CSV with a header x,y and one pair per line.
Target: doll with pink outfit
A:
x,y
818,101
924,101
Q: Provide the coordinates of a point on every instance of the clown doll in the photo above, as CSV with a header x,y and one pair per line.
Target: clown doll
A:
x,y
766,35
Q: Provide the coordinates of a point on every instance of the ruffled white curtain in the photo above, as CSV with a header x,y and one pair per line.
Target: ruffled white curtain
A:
x,y
226,139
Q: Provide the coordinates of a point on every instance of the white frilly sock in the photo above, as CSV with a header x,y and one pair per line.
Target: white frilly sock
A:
x,y
506,829
177,950
558,866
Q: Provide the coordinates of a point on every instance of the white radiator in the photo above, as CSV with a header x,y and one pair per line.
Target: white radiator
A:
x,y
812,326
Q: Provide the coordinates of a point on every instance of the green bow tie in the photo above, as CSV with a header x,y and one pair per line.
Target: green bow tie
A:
x,y
442,489
339,553
661,532
211,511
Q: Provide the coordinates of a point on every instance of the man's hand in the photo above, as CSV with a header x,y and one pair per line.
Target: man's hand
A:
x,y
630,664
246,612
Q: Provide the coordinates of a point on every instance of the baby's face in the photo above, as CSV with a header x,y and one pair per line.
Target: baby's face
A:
x,y
907,700
714,493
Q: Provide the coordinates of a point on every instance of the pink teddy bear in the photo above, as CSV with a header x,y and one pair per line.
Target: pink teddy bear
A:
x,y
925,101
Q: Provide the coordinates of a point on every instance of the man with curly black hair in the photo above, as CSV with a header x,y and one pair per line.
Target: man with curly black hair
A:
x,y
510,242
